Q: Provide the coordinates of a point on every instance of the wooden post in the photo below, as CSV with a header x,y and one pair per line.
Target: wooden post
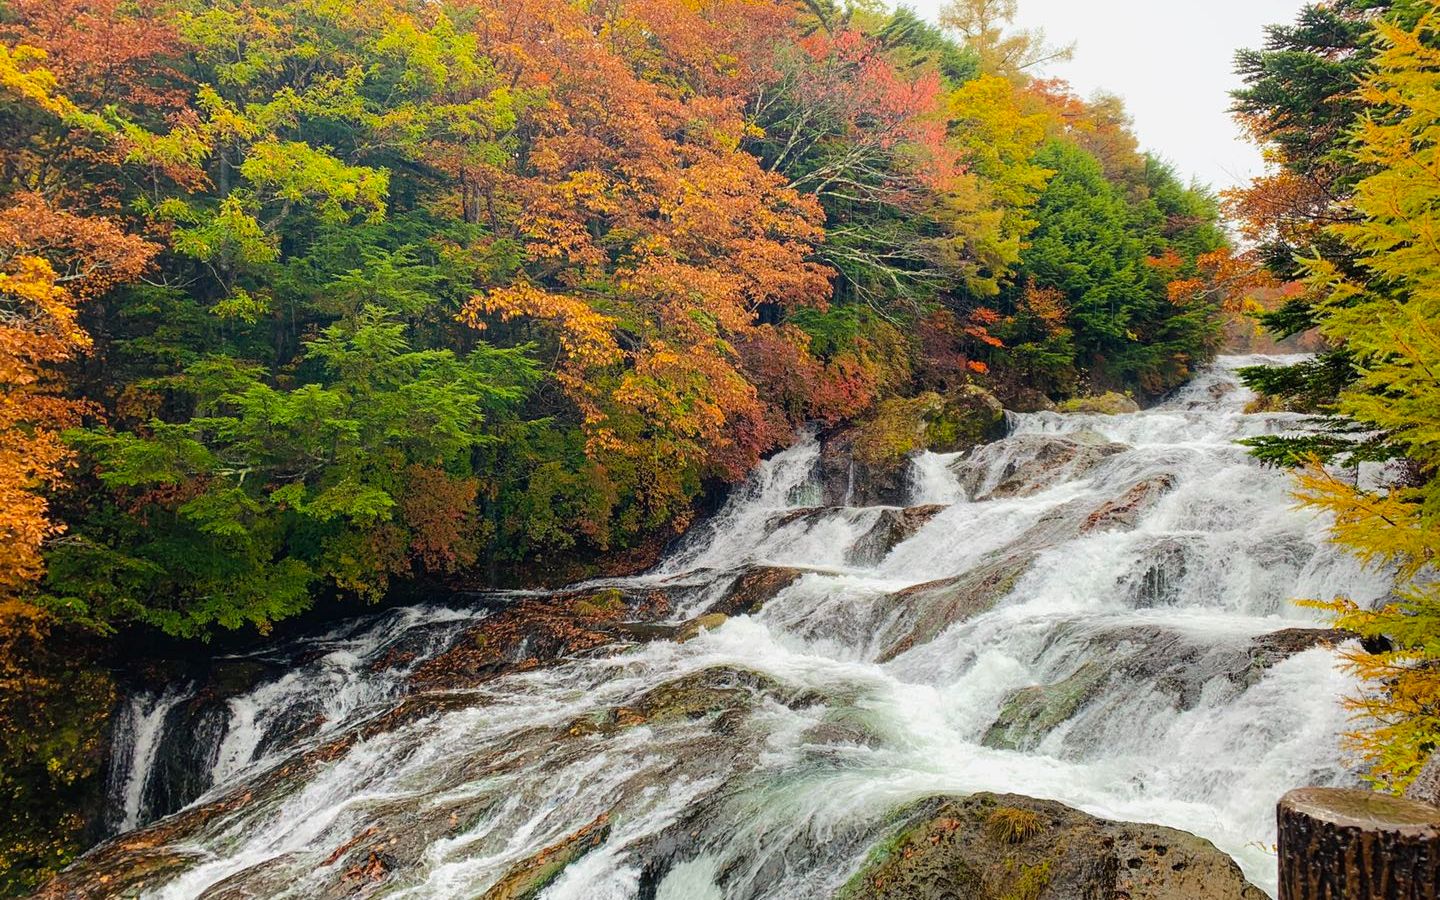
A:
x,y
1357,845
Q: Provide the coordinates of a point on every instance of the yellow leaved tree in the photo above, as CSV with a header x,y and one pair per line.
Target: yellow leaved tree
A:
x,y
1387,314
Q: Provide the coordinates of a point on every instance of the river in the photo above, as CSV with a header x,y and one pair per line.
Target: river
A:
x,y
1096,610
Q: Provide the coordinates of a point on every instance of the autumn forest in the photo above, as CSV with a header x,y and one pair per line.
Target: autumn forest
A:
x,y
315,307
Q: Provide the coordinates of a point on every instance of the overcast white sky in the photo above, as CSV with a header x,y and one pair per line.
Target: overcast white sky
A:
x,y
1171,61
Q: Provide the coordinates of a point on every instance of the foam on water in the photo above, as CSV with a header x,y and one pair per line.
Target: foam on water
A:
x,y
1150,618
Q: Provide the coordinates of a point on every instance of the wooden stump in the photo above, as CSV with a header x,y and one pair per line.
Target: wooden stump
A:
x,y
1357,845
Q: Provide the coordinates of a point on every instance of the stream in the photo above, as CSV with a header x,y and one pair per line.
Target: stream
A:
x,y
1095,610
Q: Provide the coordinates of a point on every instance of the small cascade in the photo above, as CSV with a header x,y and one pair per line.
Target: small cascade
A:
x,y
932,480
170,749
1095,610
139,729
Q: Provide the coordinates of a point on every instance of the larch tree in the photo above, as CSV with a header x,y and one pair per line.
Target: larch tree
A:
x,y
1386,312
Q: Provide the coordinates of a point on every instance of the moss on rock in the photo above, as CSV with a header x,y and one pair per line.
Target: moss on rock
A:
x,y
526,879
1107,404
959,421
1031,713
1040,850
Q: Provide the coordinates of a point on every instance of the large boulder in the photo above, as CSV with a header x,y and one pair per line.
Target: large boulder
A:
x,y
950,423
847,479
1001,847
868,464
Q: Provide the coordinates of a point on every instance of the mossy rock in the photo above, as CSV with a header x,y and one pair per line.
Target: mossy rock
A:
x,y
1107,404
692,629
721,696
603,604
1008,847
968,418
899,428
525,880
1033,712
961,420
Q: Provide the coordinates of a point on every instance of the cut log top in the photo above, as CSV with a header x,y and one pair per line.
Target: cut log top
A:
x,y
1357,845
1364,810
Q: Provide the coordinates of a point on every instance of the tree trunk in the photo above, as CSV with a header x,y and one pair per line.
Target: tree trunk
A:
x,y
1357,845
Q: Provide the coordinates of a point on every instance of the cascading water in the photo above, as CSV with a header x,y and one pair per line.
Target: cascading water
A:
x,y
1094,610
139,729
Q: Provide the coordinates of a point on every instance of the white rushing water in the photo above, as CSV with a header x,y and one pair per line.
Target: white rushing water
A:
x,y
1135,572
139,729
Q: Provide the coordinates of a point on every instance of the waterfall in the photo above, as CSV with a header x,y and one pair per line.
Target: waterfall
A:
x,y
139,727
1096,610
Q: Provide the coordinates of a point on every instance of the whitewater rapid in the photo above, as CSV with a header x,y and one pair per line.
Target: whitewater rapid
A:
x,y
886,700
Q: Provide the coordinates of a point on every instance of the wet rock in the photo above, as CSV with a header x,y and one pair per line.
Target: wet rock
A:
x,y
137,861
1146,658
193,728
1002,847
120,875
1027,464
522,634
391,835
868,464
527,879
848,481
1125,511
920,613
1160,583
892,528
810,515
533,631
1267,650
755,587
835,468
926,610
692,629
1033,712
722,696
1108,404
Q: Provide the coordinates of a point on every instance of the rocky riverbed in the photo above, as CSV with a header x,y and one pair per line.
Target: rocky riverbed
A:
x,y
1061,664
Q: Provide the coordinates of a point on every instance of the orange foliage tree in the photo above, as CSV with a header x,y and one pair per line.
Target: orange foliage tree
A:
x,y
52,260
652,243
